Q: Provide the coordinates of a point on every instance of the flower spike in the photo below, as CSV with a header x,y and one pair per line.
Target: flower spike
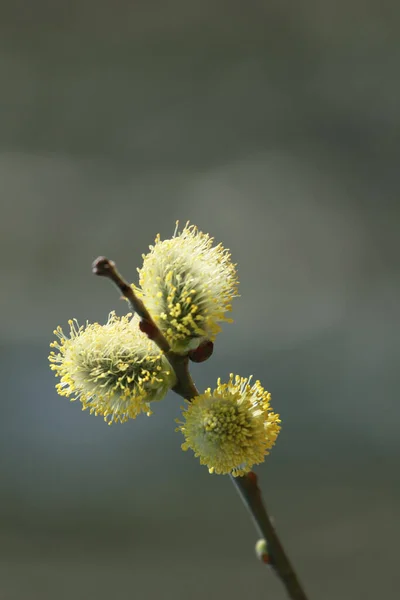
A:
x,y
113,369
188,285
231,428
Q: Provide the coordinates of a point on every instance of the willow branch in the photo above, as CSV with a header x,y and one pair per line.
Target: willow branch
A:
x,y
251,495
185,387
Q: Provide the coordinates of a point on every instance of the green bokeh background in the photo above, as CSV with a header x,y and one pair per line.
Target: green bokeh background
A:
x,y
274,126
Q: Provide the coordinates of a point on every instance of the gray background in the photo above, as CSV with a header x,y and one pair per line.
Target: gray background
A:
x,y
274,126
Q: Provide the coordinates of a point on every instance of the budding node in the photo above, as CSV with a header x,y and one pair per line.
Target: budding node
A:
x,y
262,553
148,328
202,352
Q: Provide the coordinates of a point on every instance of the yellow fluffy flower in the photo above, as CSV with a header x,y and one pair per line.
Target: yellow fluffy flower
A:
x,y
187,285
231,428
113,369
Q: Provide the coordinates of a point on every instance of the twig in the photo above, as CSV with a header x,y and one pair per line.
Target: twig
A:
x,y
106,268
185,387
251,496
179,362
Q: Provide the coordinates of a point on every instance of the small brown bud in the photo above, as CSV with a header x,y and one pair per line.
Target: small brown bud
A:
x,y
148,328
202,352
262,552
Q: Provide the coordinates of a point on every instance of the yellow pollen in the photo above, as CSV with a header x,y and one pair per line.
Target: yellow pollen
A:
x,y
232,427
187,285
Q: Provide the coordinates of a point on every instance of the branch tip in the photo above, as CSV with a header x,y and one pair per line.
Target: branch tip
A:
x,y
103,267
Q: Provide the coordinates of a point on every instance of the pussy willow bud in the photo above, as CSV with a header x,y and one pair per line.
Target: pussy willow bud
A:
x,y
114,369
187,284
232,427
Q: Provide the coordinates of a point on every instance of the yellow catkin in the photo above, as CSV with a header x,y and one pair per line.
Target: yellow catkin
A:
x,y
231,428
114,369
187,284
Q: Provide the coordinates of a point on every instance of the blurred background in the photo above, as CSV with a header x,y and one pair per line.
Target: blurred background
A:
x,y
274,126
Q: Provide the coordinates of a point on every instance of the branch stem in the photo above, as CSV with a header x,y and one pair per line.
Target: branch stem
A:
x,y
251,495
179,362
185,387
